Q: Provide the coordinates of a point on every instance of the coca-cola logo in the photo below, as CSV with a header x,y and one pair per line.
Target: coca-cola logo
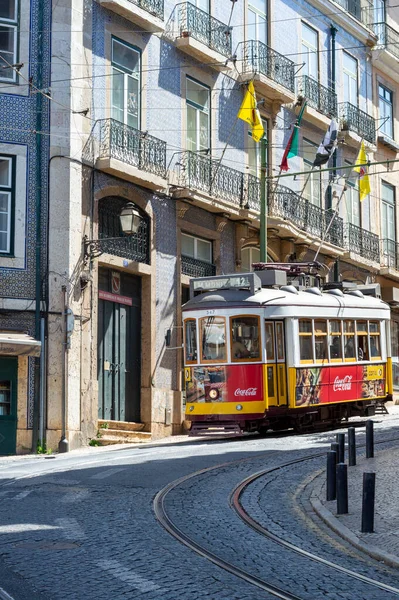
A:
x,y
248,392
342,384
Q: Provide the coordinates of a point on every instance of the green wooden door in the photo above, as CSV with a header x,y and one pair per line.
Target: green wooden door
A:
x,y
8,405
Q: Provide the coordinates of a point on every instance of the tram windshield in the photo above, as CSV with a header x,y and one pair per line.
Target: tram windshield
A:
x,y
190,346
213,339
245,342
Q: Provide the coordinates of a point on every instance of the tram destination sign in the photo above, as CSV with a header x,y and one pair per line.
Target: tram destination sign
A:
x,y
242,281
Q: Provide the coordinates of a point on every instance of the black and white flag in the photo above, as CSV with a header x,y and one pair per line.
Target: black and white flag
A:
x,y
327,146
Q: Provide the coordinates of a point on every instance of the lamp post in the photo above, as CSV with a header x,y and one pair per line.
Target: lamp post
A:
x,y
130,220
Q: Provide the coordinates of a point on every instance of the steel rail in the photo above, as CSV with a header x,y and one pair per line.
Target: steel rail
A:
x,y
181,536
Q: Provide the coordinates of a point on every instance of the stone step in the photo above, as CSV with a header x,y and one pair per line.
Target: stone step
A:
x,y
117,436
120,425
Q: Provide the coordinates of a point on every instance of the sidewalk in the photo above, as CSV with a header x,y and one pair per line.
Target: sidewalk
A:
x,y
382,545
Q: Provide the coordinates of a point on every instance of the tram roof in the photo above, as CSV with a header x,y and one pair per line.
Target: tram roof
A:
x,y
268,297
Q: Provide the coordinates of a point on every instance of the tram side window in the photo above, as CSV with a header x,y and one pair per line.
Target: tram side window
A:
x,y
269,332
349,340
335,340
320,336
190,345
245,338
375,340
362,340
305,340
213,339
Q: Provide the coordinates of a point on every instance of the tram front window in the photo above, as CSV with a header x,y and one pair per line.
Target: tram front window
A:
x,y
245,343
190,341
213,339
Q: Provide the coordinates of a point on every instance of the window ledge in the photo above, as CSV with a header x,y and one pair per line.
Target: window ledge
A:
x,y
389,142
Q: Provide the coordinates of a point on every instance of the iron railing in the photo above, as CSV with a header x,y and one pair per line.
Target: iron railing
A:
x,y
208,175
259,58
319,97
354,119
196,268
390,254
204,28
133,247
388,37
362,242
154,7
113,139
286,204
361,11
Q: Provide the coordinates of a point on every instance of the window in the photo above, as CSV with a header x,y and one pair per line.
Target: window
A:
x,y
6,203
8,38
379,19
202,4
198,122
254,152
310,52
349,341
245,339
194,247
312,191
213,339
386,110
375,340
305,340
335,341
350,78
388,217
362,340
352,201
248,256
125,101
257,20
190,337
269,332
320,336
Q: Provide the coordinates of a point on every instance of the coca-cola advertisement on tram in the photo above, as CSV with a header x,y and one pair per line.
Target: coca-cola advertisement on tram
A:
x,y
224,383
322,385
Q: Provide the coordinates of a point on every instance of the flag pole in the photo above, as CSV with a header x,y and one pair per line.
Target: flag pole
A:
x,y
263,203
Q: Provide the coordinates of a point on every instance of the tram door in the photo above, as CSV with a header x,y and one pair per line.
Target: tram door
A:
x,y
276,373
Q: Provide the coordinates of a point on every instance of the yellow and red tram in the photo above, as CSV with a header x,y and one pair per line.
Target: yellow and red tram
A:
x,y
276,357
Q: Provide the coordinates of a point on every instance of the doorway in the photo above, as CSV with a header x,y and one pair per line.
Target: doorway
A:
x,y
276,375
119,346
8,405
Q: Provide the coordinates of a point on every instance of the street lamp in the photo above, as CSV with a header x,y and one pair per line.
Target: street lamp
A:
x,y
130,220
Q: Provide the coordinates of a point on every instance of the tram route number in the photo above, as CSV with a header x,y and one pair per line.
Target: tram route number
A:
x,y
187,374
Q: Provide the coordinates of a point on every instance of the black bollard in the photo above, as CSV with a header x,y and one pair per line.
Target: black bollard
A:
x,y
335,448
342,489
331,476
341,443
368,503
369,439
351,446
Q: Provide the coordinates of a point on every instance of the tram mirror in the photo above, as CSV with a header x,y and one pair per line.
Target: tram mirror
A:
x,y
168,337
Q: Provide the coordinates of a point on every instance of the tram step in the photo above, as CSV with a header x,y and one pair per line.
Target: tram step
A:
x,y
215,429
381,408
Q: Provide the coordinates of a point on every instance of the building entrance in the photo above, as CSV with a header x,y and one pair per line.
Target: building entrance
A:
x,y
8,405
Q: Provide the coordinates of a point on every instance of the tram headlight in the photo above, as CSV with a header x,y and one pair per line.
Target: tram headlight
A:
x,y
191,408
213,394
239,407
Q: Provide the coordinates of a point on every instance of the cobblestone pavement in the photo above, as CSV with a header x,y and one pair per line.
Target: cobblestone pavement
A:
x,y
82,526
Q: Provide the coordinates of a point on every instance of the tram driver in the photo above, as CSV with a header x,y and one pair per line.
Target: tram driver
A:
x,y
240,350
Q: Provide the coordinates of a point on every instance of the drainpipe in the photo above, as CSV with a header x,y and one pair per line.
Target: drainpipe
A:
x,y
63,445
333,30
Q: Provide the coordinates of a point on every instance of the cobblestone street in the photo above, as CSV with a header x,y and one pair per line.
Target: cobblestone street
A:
x,y
82,525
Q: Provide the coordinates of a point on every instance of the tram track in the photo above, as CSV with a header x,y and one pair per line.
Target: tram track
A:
x,y
235,503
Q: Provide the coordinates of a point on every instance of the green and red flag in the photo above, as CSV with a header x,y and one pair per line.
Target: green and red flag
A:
x,y
293,143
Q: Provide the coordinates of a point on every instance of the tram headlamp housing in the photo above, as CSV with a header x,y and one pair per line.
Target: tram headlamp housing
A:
x,y
213,394
191,408
239,407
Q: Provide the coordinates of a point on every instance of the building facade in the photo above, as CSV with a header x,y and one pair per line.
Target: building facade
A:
x,y
135,103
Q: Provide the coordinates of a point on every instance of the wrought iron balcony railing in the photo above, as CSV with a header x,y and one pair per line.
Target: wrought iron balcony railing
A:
x,y
286,204
259,58
390,254
196,268
362,242
360,10
134,247
319,97
204,28
388,37
358,121
112,139
154,7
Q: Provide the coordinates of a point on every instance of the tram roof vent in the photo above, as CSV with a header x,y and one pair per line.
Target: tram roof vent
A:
x,y
357,293
335,292
290,289
313,290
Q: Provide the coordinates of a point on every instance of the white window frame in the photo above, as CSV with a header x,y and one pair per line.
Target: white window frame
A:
x,y
386,105
307,50
8,191
314,181
199,110
250,250
11,24
126,74
196,239
254,13
350,75
388,207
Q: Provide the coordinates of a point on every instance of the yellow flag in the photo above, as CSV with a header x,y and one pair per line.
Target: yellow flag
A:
x,y
249,112
364,181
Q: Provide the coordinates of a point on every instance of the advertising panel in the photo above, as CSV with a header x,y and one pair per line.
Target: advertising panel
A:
x,y
231,383
322,385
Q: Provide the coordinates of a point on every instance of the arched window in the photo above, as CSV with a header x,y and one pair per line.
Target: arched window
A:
x,y
250,255
135,247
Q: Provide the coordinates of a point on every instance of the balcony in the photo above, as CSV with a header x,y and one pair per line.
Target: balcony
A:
x,y
128,153
273,74
390,254
215,186
147,14
200,35
362,243
387,36
357,121
196,268
284,204
318,97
